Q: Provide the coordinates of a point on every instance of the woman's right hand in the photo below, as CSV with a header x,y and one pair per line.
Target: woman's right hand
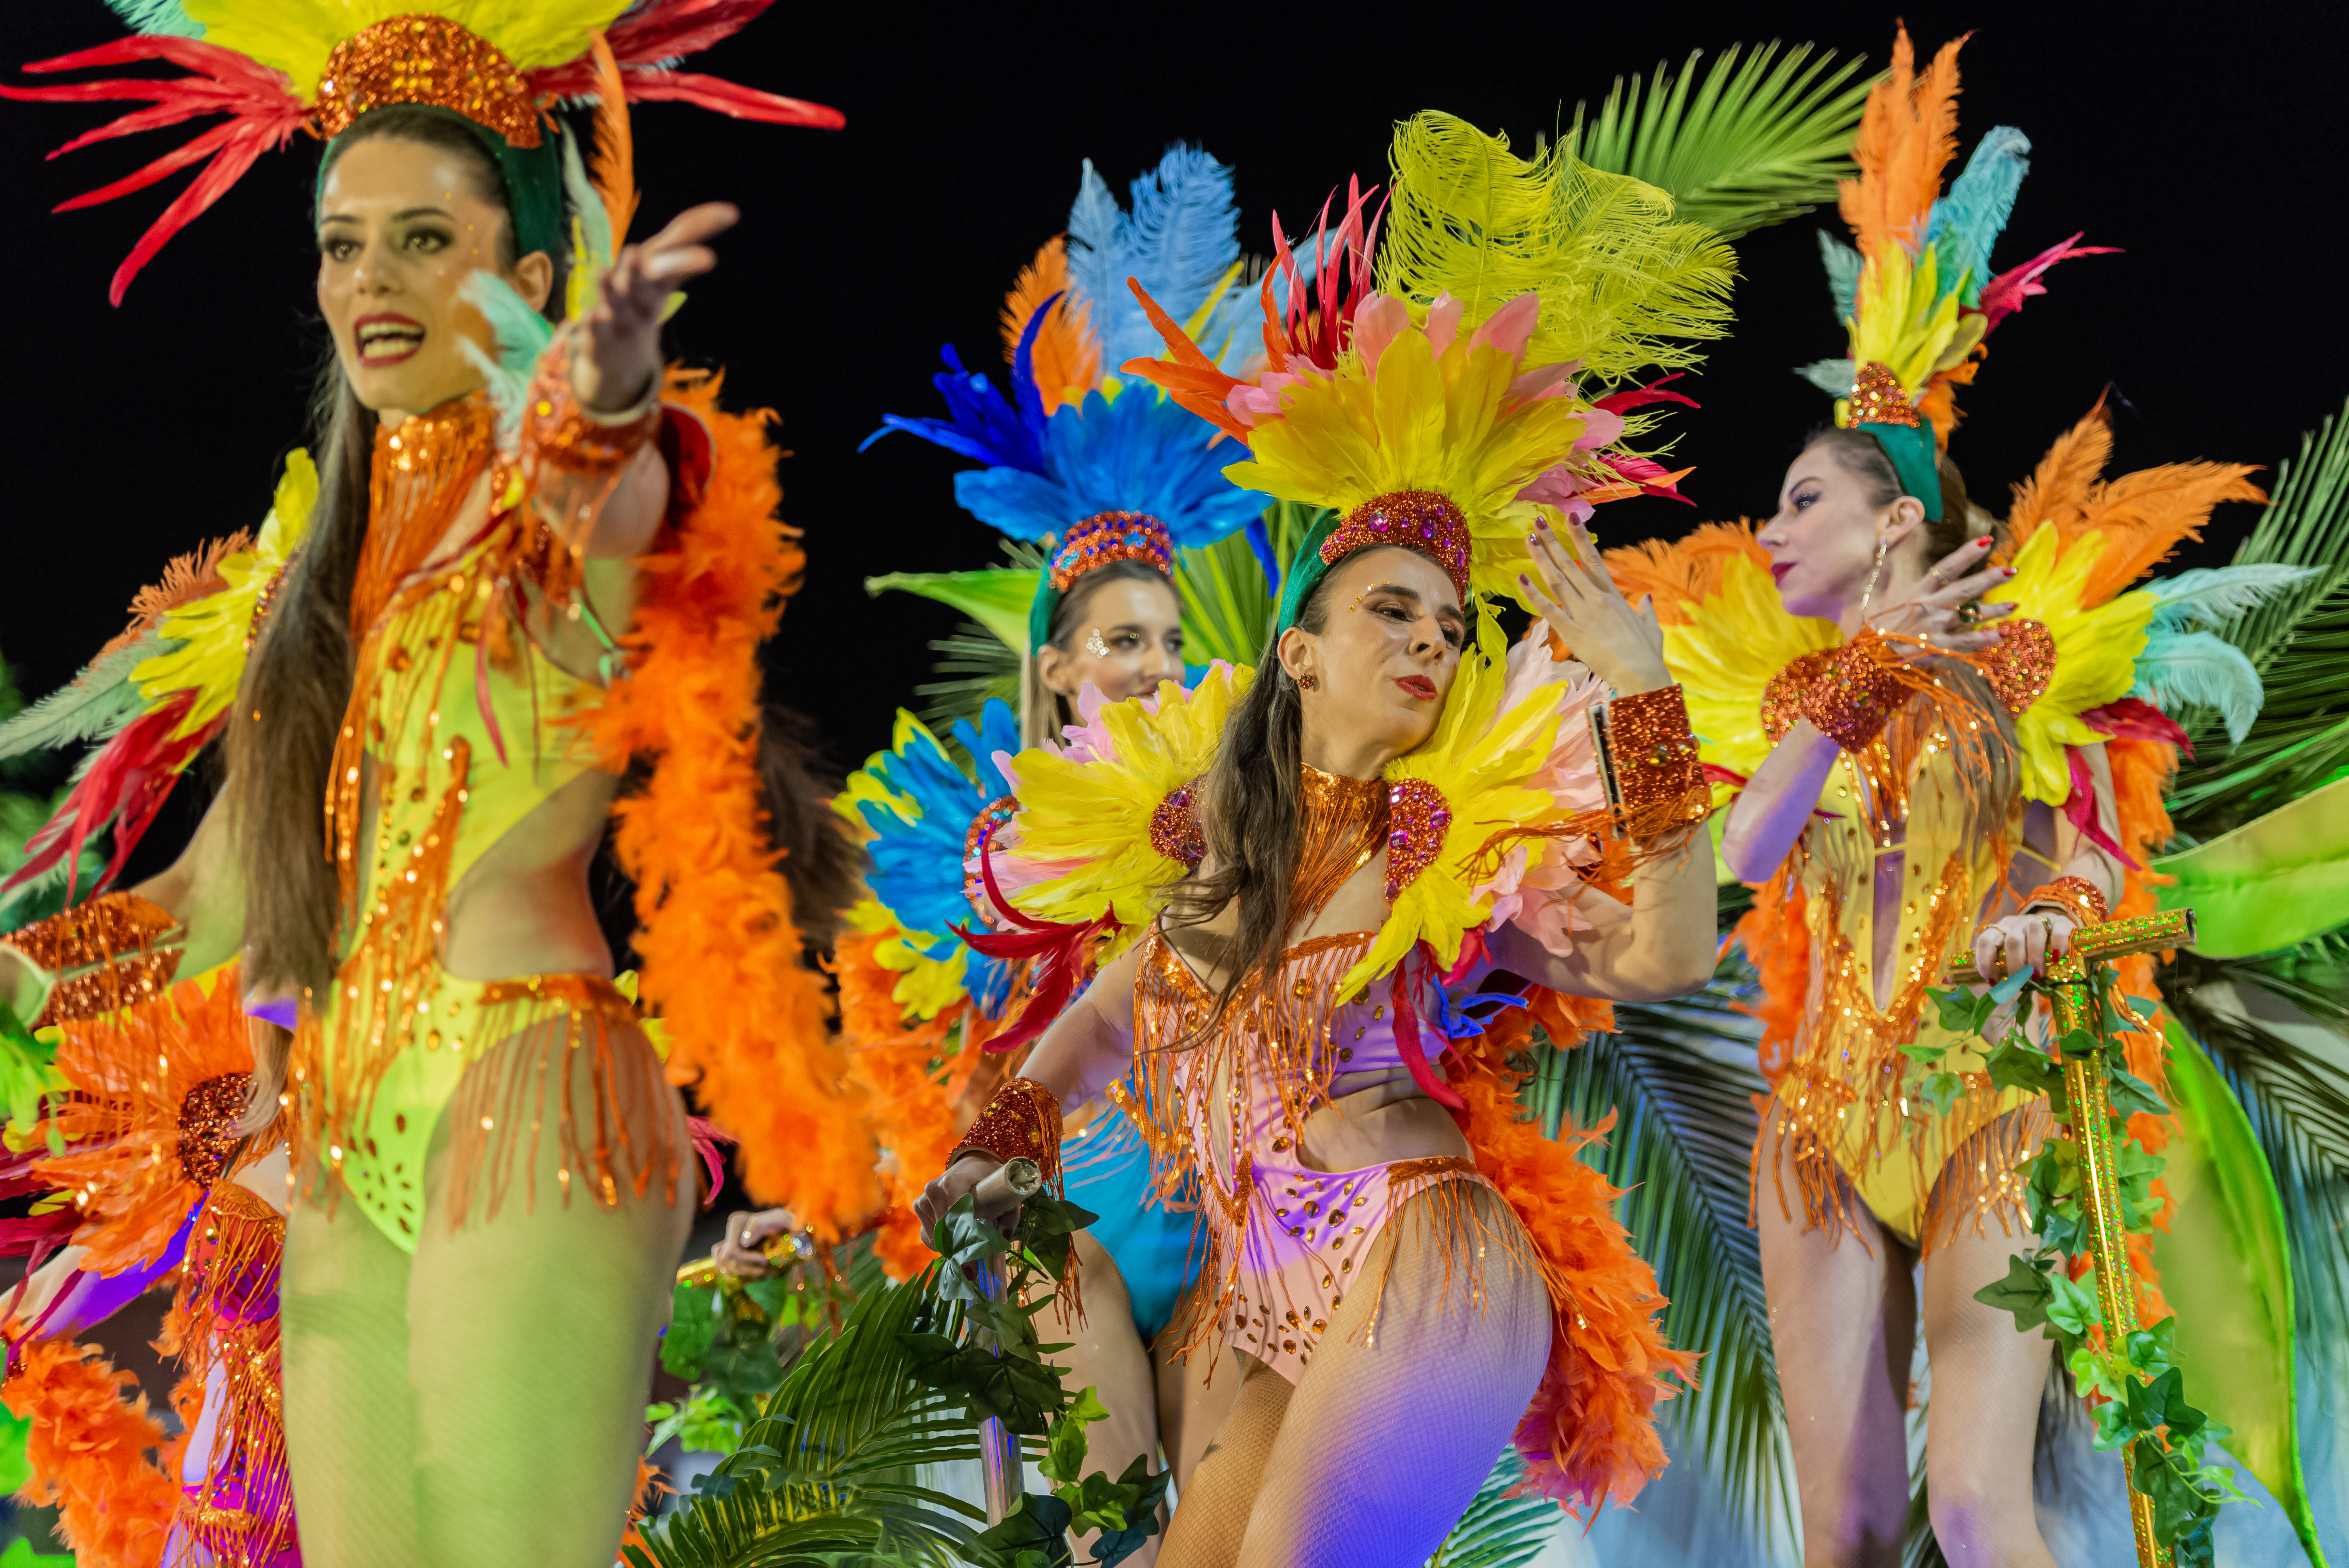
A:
x,y
1931,612
739,1253
958,1180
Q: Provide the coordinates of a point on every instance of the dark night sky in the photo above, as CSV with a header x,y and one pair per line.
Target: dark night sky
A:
x,y
2209,142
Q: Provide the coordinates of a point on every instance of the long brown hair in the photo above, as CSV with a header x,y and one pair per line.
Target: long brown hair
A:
x,y
1253,813
281,735
822,864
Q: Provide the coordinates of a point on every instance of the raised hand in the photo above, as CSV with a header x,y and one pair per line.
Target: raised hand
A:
x,y
1578,598
1940,611
2020,942
620,350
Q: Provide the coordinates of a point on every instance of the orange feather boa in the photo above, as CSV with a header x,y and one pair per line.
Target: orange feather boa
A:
x,y
88,1449
892,1060
1591,1432
721,955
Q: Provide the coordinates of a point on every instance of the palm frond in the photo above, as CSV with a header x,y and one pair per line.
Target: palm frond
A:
x,y
977,668
826,1472
2296,640
1228,604
1680,1076
1753,143
1500,1531
2283,1044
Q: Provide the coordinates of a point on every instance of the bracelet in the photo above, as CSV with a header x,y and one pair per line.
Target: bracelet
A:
x,y
1856,691
1022,1121
558,433
2078,897
1648,762
111,939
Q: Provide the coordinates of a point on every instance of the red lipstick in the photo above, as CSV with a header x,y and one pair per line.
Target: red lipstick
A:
x,y
385,338
1778,569
1419,686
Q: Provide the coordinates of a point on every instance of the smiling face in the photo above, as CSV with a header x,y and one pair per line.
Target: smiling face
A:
x,y
1127,638
1383,662
401,225
1823,541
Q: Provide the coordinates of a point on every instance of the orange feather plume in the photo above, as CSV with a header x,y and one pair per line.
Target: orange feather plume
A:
x,y
1066,357
1591,1431
722,958
185,578
614,169
910,1101
2140,517
88,1451
1907,135
1680,572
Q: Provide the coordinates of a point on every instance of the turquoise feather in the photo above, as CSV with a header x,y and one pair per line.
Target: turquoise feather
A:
x,y
1967,221
1843,264
152,16
2211,597
595,249
2199,669
92,706
521,335
1832,377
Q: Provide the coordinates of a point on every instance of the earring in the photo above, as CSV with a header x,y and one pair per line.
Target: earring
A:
x,y
1307,681
1874,572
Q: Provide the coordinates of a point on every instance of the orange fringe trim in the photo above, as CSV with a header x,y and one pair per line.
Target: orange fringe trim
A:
x,y
88,1449
721,955
1590,1431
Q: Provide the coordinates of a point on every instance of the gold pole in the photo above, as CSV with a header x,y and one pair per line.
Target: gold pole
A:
x,y
2087,1088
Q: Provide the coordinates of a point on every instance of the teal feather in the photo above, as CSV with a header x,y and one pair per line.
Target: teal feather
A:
x,y
151,16
2179,670
1178,241
1832,377
1967,221
2212,596
92,706
1843,264
521,335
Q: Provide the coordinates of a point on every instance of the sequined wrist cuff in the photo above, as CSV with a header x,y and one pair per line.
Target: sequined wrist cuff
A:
x,y
1856,692
1022,1121
1648,762
557,432
110,939
2078,897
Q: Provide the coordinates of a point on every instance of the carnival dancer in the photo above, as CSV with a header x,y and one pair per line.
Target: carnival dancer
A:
x,y
1936,747
507,595
1390,838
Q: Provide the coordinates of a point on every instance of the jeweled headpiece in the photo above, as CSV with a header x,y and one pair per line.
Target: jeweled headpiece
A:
x,y
277,66
1107,537
1917,294
1438,412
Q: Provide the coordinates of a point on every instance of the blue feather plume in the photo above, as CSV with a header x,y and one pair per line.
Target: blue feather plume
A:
x,y
1179,241
917,873
1969,218
2179,670
2213,596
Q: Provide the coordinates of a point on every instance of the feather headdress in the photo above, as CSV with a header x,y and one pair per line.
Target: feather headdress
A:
x,y
1441,407
1916,296
278,66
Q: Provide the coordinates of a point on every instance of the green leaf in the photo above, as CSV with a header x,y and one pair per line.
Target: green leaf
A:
x,y
1748,145
1964,1011
692,1328
1064,1449
2015,1065
2072,1306
1942,1090
1037,1523
2025,1292
997,598
2131,1094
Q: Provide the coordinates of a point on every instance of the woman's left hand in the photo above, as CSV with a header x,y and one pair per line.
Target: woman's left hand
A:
x,y
741,1253
1578,598
619,349
2020,942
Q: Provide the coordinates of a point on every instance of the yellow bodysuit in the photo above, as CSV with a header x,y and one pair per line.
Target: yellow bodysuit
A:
x,y
458,727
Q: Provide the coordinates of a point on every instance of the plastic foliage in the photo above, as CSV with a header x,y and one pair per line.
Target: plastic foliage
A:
x,y
2137,1387
1502,1528
1751,143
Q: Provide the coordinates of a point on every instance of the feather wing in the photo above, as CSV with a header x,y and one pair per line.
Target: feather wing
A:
x,y
1908,134
93,706
2058,489
2211,596
1968,220
2183,669
2141,516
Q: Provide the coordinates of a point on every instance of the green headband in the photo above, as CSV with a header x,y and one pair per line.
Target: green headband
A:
x,y
533,177
1910,450
1306,570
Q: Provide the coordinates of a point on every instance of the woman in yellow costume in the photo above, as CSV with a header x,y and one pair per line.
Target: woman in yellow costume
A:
x,y
1918,777
1397,1298
532,559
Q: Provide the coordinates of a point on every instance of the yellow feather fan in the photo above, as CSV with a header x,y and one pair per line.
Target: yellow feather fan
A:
x,y
296,36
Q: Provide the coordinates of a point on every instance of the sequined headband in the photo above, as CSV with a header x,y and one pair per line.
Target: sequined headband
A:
x,y
1110,536
1420,521
1099,541
1879,409
425,59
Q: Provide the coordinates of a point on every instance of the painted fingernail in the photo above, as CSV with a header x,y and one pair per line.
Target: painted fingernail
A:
x,y
1983,540
2008,570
